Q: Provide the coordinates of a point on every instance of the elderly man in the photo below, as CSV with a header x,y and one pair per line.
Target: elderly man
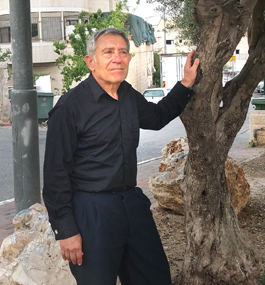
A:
x,y
103,221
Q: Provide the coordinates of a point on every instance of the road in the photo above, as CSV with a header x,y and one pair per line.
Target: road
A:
x,y
150,146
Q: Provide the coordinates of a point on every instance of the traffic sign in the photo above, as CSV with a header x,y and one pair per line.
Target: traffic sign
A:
x,y
233,59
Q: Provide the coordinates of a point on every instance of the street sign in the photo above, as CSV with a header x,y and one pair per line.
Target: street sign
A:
x,y
164,84
233,59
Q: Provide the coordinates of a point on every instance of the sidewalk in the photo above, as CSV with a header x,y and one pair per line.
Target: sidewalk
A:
x,y
145,170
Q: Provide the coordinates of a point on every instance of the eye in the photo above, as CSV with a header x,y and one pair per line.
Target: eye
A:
x,y
108,52
124,52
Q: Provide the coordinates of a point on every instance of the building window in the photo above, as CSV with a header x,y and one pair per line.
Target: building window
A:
x,y
237,51
5,35
70,26
170,42
51,29
70,22
180,41
34,29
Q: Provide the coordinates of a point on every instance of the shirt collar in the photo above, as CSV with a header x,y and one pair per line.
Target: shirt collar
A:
x,y
97,90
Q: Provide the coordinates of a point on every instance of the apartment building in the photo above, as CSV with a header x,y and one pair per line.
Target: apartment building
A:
x,y
54,20
171,42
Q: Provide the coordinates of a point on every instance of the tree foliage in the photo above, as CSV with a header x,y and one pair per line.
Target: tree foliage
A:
x,y
181,18
74,67
156,74
4,56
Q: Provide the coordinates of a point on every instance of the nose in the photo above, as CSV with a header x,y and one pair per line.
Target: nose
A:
x,y
116,57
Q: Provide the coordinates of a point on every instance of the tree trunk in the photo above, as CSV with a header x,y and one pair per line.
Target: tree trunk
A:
x,y
217,251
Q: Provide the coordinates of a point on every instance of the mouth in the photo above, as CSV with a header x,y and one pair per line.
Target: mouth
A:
x,y
117,69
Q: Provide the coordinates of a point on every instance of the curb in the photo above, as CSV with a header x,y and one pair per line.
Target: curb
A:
x,y
5,124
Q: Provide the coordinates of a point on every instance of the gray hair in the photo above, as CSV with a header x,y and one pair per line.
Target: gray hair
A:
x,y
92,41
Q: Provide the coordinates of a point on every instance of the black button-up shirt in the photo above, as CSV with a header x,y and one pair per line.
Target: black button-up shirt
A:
x,y
92,140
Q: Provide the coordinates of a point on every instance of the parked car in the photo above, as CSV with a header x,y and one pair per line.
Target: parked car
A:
x,y
260,87
155,94
226,79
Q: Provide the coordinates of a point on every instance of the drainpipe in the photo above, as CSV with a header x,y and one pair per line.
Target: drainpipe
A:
x,y
25,136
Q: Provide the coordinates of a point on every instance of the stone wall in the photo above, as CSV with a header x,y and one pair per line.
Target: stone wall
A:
x,y
5,106
257,126
141,66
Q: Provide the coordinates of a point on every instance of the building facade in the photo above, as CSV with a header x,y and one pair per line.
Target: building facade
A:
x,y
171,42
54,20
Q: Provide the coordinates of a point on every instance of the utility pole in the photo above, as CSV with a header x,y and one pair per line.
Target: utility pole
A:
x,y
165,33
25,135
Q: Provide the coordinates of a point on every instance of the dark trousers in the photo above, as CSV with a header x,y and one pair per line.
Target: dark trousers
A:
x,y
119,239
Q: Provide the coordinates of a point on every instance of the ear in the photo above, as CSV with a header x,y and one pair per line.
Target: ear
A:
x,y
90,62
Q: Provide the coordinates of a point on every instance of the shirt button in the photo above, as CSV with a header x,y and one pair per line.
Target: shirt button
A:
x,y
123,121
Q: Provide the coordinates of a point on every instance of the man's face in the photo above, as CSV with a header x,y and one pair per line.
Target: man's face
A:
x,y
111,62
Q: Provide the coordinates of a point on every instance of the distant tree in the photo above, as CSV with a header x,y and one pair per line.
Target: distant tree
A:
x,y
156,74
181,18
217,251
74,67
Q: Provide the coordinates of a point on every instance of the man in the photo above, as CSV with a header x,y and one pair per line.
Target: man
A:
x,y
103,221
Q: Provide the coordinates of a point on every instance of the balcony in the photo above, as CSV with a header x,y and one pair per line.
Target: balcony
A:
x,y
46,27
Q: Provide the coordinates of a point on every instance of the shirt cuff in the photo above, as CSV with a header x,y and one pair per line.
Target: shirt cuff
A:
x,y
182,93
64,228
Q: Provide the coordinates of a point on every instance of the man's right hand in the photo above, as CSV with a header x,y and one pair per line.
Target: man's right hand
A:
x,y
71,249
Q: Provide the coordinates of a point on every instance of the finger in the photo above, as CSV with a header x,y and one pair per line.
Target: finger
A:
x,y
188,62
63,254
195,64
79,256
73,257
67,256
76,257
192,53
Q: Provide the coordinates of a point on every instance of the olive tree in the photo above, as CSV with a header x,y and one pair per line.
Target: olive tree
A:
x,y
217,251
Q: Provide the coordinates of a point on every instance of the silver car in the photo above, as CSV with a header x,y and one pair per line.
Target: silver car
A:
x,y
260,87
155,94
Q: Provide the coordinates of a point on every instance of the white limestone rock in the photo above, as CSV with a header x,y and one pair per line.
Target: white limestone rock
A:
x,y
166,185
31,255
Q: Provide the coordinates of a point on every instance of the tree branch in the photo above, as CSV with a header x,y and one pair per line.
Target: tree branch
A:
x,y
257,25
239,90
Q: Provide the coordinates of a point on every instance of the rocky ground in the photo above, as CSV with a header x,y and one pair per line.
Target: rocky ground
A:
x,y
251,220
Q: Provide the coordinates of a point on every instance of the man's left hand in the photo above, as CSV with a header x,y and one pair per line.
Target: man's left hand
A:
x,y
190,71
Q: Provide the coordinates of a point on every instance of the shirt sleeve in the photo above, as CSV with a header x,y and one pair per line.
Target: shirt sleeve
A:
x,y
61,143
156,116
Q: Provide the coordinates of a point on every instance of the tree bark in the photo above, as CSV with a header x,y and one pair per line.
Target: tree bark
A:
x,y
217,251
